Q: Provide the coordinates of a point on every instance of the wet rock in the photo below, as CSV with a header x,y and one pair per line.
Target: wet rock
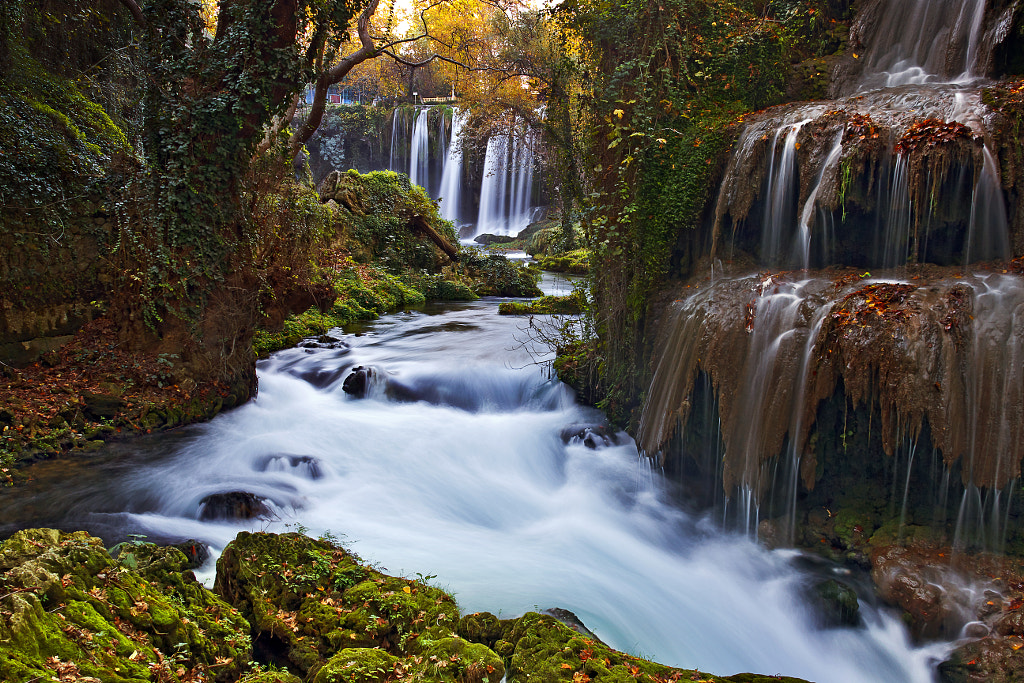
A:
x,y
835,603
937,597
592,436
903,582
358,382
324,341
572,621
233,505
985,661
304,465
196,552
1010,623
319,377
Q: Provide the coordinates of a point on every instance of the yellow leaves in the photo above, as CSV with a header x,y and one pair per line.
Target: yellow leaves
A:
x,y
618,113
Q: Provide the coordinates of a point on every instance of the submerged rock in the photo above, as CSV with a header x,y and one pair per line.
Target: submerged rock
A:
x,y
591,436
835,603
233,505
359,381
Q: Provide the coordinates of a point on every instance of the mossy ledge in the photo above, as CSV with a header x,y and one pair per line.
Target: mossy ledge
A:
x,y
285,608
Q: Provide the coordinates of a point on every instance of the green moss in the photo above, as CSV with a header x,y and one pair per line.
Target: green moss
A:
x,y
358,665
313,597
571,304
576,262
70,601
54,141
362,293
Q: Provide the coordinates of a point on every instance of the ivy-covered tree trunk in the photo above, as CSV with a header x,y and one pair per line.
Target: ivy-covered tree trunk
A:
x,y
189,283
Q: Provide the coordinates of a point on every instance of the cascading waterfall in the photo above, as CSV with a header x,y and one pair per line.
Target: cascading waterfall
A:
x,y
988,233
861,181
950,351
419,149
451,175
506,193
780,204
506,201
922,41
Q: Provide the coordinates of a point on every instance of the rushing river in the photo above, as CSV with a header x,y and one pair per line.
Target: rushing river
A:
x,y
455,465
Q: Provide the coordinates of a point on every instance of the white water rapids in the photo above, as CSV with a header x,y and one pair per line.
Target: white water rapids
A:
x,y
489,498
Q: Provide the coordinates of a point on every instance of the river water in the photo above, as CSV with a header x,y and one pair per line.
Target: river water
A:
x,y
456,465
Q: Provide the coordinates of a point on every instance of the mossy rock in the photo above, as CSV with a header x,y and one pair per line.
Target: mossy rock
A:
x,y
309,599
483,627
576,262
358,665
571,304
74,611
271,677
456,660
547,651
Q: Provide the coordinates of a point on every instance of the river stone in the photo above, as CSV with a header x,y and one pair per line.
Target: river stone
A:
x,y
592,436
232,505
357,384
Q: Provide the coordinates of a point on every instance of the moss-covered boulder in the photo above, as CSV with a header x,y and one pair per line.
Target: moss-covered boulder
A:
x,y
308,599
358,665
543,650
70,610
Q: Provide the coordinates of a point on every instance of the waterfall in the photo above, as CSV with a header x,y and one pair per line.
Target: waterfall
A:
x,y
419,149
949,351
988,235
922,41
507,188
493,198
395,137
451,175
781,190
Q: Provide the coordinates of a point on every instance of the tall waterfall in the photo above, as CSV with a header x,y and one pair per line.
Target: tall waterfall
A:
x,y
419,149
451,176
436,161
506,192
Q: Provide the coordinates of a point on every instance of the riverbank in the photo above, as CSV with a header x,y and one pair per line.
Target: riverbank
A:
x,y
283,606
